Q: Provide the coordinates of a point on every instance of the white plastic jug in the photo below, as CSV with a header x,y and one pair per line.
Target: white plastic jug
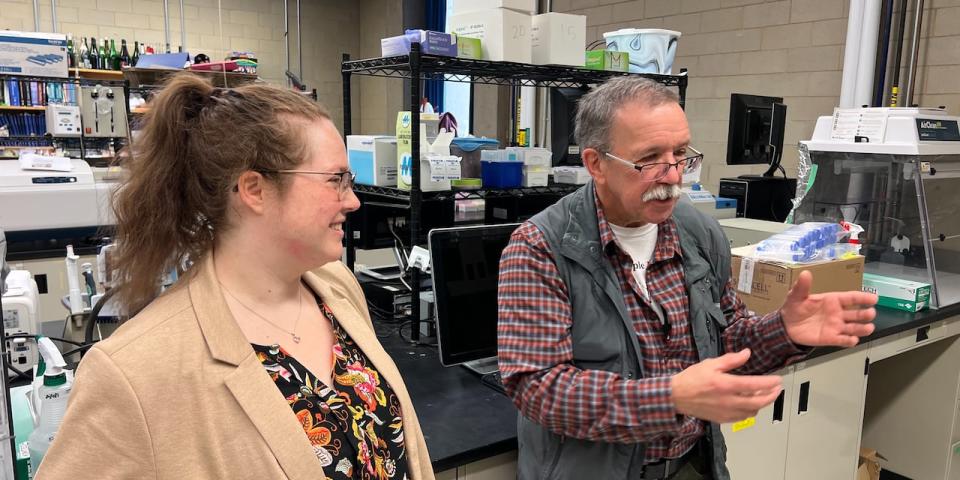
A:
x,y
651,50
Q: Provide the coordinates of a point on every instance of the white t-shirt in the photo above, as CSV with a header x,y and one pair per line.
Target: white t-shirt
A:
x,y
639,243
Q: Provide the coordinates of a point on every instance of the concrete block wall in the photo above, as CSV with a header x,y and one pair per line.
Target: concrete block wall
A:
x,y
787,48
329,29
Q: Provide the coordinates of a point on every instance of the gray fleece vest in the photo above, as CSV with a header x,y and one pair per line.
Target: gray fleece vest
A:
x,y
604,337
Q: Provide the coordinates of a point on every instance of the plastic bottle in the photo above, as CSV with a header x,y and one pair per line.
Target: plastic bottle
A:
x,y
52,398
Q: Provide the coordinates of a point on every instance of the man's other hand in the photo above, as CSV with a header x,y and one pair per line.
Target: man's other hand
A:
x,y
708,392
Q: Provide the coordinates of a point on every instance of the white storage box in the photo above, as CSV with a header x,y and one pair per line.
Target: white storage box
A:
x,y
373,158
535,176
571,175
466,6
559,39
504,34
538,157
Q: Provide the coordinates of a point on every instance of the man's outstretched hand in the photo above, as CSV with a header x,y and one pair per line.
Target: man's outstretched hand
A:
x,y
827,319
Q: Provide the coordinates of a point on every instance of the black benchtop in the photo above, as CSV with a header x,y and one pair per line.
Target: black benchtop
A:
x,y
462,420
890,322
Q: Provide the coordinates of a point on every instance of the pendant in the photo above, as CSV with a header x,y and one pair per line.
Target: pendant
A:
x,y
296,338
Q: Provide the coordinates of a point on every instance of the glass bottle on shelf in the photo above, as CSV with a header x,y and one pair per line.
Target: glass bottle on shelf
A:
x,y
94,54
114,56
136,54
83,57
104,56
71,58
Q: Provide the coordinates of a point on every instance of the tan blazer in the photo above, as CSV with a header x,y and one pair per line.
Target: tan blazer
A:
x,y
178,393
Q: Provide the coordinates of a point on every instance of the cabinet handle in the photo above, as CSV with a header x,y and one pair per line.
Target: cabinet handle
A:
x,y
778,407
923,333
804,398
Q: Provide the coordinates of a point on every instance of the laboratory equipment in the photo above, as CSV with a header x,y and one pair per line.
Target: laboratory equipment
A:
x,y
896,172
63,120
103,111
21,303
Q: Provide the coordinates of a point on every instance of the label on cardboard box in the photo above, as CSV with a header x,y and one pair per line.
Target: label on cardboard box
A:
x,y
746,276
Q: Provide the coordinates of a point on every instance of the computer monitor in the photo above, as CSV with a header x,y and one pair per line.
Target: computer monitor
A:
x,y
563,120
755,134
466,266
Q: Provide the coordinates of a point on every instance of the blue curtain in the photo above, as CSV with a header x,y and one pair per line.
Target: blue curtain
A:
x,y
437,21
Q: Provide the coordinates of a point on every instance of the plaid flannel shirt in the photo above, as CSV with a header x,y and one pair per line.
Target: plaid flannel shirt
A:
x,y
536,347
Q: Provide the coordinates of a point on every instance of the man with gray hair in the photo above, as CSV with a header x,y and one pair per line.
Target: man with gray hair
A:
x,y
616,309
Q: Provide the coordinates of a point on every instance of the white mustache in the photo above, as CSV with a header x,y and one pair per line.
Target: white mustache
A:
x,y
662,192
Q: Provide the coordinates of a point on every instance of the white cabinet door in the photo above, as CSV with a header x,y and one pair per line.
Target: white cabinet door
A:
x,y
827,411
911,411
447,474
757,447
500,467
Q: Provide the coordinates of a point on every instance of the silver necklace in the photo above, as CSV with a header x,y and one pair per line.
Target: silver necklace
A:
x,y
293,334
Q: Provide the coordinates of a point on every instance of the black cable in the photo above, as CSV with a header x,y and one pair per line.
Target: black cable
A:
x,y
94,315
20,374
410,340
81,349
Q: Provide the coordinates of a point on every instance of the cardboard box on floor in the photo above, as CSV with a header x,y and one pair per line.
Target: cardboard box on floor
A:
x,y
767,288
868,467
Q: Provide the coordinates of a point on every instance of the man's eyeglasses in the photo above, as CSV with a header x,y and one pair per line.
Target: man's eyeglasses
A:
x,y
652,172
344,180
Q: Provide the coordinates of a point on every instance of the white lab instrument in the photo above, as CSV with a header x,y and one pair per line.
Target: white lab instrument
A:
x,y
43,200
103,111
73,281
21,303
63,120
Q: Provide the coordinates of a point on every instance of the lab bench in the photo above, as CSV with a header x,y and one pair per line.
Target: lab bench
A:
x,y
896,392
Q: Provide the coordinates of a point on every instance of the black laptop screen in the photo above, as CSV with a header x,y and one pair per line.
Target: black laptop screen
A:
x,y
465,268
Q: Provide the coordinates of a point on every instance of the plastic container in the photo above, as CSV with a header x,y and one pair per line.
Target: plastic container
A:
x,y
652,50
50,402
501,174
469,149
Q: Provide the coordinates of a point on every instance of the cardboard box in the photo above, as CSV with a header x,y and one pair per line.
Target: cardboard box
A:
x,y
469,48
765,290
466,6
896,293
607,60
558,39
504,34
431,43
373,159
33,54
868,466
431,142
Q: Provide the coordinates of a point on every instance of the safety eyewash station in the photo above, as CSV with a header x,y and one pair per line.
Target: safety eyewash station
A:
x,y
874,205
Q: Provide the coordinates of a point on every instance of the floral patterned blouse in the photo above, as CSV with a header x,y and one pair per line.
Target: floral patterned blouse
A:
x,y
354,425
